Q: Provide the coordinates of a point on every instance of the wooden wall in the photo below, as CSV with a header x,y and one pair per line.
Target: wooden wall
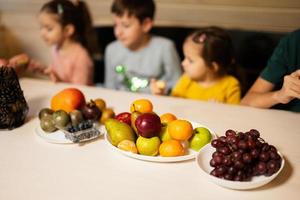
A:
x,y
19,30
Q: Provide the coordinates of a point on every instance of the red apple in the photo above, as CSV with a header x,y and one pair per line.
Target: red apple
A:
x,y
148,125
124,117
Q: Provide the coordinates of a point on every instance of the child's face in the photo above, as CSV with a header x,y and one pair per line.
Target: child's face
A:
x,y
130,31
193,64
50,29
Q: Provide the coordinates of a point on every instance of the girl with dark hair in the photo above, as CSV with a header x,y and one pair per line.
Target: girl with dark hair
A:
x,y
208,56
67,27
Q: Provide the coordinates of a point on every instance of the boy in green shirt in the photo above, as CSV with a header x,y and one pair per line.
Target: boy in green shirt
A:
x,y
279,83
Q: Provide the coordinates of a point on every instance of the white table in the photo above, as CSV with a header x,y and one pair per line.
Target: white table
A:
x,y
31,168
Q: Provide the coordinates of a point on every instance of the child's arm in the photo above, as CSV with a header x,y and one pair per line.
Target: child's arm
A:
x,y
261,94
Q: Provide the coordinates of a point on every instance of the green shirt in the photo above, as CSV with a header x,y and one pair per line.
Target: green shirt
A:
x,y
284,60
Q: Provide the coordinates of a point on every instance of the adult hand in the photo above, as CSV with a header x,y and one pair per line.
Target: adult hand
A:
x,y
290,88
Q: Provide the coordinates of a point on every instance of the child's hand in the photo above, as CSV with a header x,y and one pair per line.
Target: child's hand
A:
x,y
290,88
3,62
19,60
35,66
157,87
49,71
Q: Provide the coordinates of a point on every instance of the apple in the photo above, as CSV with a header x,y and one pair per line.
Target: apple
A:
x,y
124,117
148,146
148,125
201,136
164,134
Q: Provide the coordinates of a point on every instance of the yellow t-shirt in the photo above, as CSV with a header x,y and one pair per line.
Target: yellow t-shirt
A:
x,y
227,90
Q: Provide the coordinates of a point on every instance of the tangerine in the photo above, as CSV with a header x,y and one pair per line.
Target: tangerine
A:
x,y
68,99
167,117
142,106
171,148
180,129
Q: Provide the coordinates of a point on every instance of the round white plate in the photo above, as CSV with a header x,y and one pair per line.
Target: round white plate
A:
x,y
59,136
203,158
191,154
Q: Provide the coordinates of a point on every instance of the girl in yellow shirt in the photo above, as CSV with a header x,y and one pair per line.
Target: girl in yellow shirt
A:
x,y
208,53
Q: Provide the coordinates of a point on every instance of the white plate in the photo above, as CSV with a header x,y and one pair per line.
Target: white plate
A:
x,y
59,136
203,158
191,154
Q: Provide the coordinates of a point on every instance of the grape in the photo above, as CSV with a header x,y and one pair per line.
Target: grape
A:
x,y
240,156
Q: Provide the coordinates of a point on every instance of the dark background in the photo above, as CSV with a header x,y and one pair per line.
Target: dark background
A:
x,y
252,50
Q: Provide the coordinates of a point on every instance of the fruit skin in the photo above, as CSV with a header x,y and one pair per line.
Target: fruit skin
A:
x,y
107,113
167,117
100,103
91,111
47,124
171,148
128,145
148,125
164,134
118,131
124,117
61,118
76,117
142,106
148,146
201,136
45,112
133,118
68,99
180,129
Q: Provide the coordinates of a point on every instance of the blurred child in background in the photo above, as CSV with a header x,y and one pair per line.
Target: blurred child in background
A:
x,y
143,56
67,27
208,55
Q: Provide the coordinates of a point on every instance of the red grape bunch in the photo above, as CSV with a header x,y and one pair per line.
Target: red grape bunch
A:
x,y
240,156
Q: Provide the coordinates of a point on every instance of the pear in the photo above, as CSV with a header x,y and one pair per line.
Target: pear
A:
x,y
134,116
118,131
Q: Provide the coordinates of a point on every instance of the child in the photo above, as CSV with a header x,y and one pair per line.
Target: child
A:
x,y
208,54
278,85
65,26
142,55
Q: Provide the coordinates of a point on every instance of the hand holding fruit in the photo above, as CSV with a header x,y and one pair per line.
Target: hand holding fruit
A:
x,y
157,87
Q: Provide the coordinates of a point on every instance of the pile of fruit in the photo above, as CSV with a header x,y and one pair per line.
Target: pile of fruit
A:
x,y
144,132
71,113
240,156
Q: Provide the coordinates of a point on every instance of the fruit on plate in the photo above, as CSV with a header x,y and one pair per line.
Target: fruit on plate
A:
x,y
201,136
124,117
128,145
76,117
142,106
134,116
241,155
47,124
148,146
107,113
45,112
61,118
68,99
118,131
100,103
167,117
180,129
91,111
171,148
164,134
148,125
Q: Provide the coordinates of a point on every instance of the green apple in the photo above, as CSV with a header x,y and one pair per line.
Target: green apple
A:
x,y
164,134
148,146
201,136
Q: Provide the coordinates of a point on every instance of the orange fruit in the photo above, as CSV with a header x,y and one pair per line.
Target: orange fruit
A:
x,y
68,99
128,145
171,148
167,117
180,129
142,106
